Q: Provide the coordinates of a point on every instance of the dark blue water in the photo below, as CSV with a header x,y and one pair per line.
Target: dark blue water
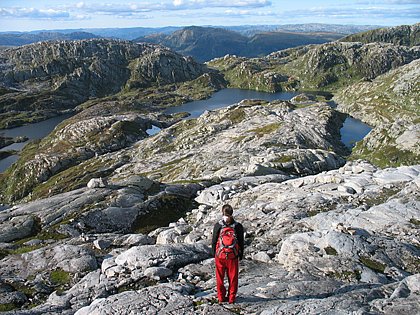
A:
x,y
225,98
353,130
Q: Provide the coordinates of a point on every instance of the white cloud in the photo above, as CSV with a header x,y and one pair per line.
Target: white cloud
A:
x,y
239,13
353,13
388,2
33,13
132,9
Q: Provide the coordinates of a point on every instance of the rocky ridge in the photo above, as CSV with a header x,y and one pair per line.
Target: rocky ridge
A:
x,y
39,78
407,35
327,67
300,141
247,139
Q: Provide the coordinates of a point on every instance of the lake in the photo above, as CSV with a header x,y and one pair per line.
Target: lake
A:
x,y
353,130
225,98
32,131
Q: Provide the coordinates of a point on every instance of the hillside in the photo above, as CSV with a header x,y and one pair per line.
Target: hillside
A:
x,y
44,79
375,82
390,103
407,35
314,67
206,43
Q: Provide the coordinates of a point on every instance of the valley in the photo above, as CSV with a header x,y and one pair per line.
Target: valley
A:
x,y
102,216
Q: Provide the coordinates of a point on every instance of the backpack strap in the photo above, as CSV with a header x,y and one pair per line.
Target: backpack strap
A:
x,y
223,224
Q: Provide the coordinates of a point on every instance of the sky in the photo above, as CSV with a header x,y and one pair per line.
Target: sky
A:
x,y
28,15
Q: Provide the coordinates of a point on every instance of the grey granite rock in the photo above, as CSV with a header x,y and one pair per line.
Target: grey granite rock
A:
x,y
70,258
157,272
167,256
163,299
17,228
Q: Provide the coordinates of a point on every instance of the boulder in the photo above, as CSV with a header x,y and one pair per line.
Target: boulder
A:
x,y
157,272
169,256
97,183
17,227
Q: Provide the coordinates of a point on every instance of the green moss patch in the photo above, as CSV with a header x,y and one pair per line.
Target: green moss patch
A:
x,y
283,159
236,115
7,307
415,221
384,156
60,277
373,264
25,249
330,251
347,275
267,129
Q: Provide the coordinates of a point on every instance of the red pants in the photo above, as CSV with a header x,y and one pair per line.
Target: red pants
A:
x,y
231,267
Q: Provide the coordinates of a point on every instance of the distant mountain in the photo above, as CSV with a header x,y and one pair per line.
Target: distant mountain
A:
x,y
206,43
131,33
19,39
202,43
262,44
407,35
332,28
250,30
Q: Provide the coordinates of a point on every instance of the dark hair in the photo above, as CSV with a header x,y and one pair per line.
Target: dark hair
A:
x,y
227,211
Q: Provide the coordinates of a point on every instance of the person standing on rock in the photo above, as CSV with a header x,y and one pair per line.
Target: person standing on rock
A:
x,y
227,249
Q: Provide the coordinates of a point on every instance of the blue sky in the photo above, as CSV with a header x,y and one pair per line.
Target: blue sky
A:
x,y
26,15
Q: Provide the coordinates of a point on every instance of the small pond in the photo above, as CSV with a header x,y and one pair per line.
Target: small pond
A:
x,y
353,130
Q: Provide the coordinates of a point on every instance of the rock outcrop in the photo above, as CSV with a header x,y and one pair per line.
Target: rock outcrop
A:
x,y
252,138
342,240
50,77
328,66
390,104
76,141
406,35
301,141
